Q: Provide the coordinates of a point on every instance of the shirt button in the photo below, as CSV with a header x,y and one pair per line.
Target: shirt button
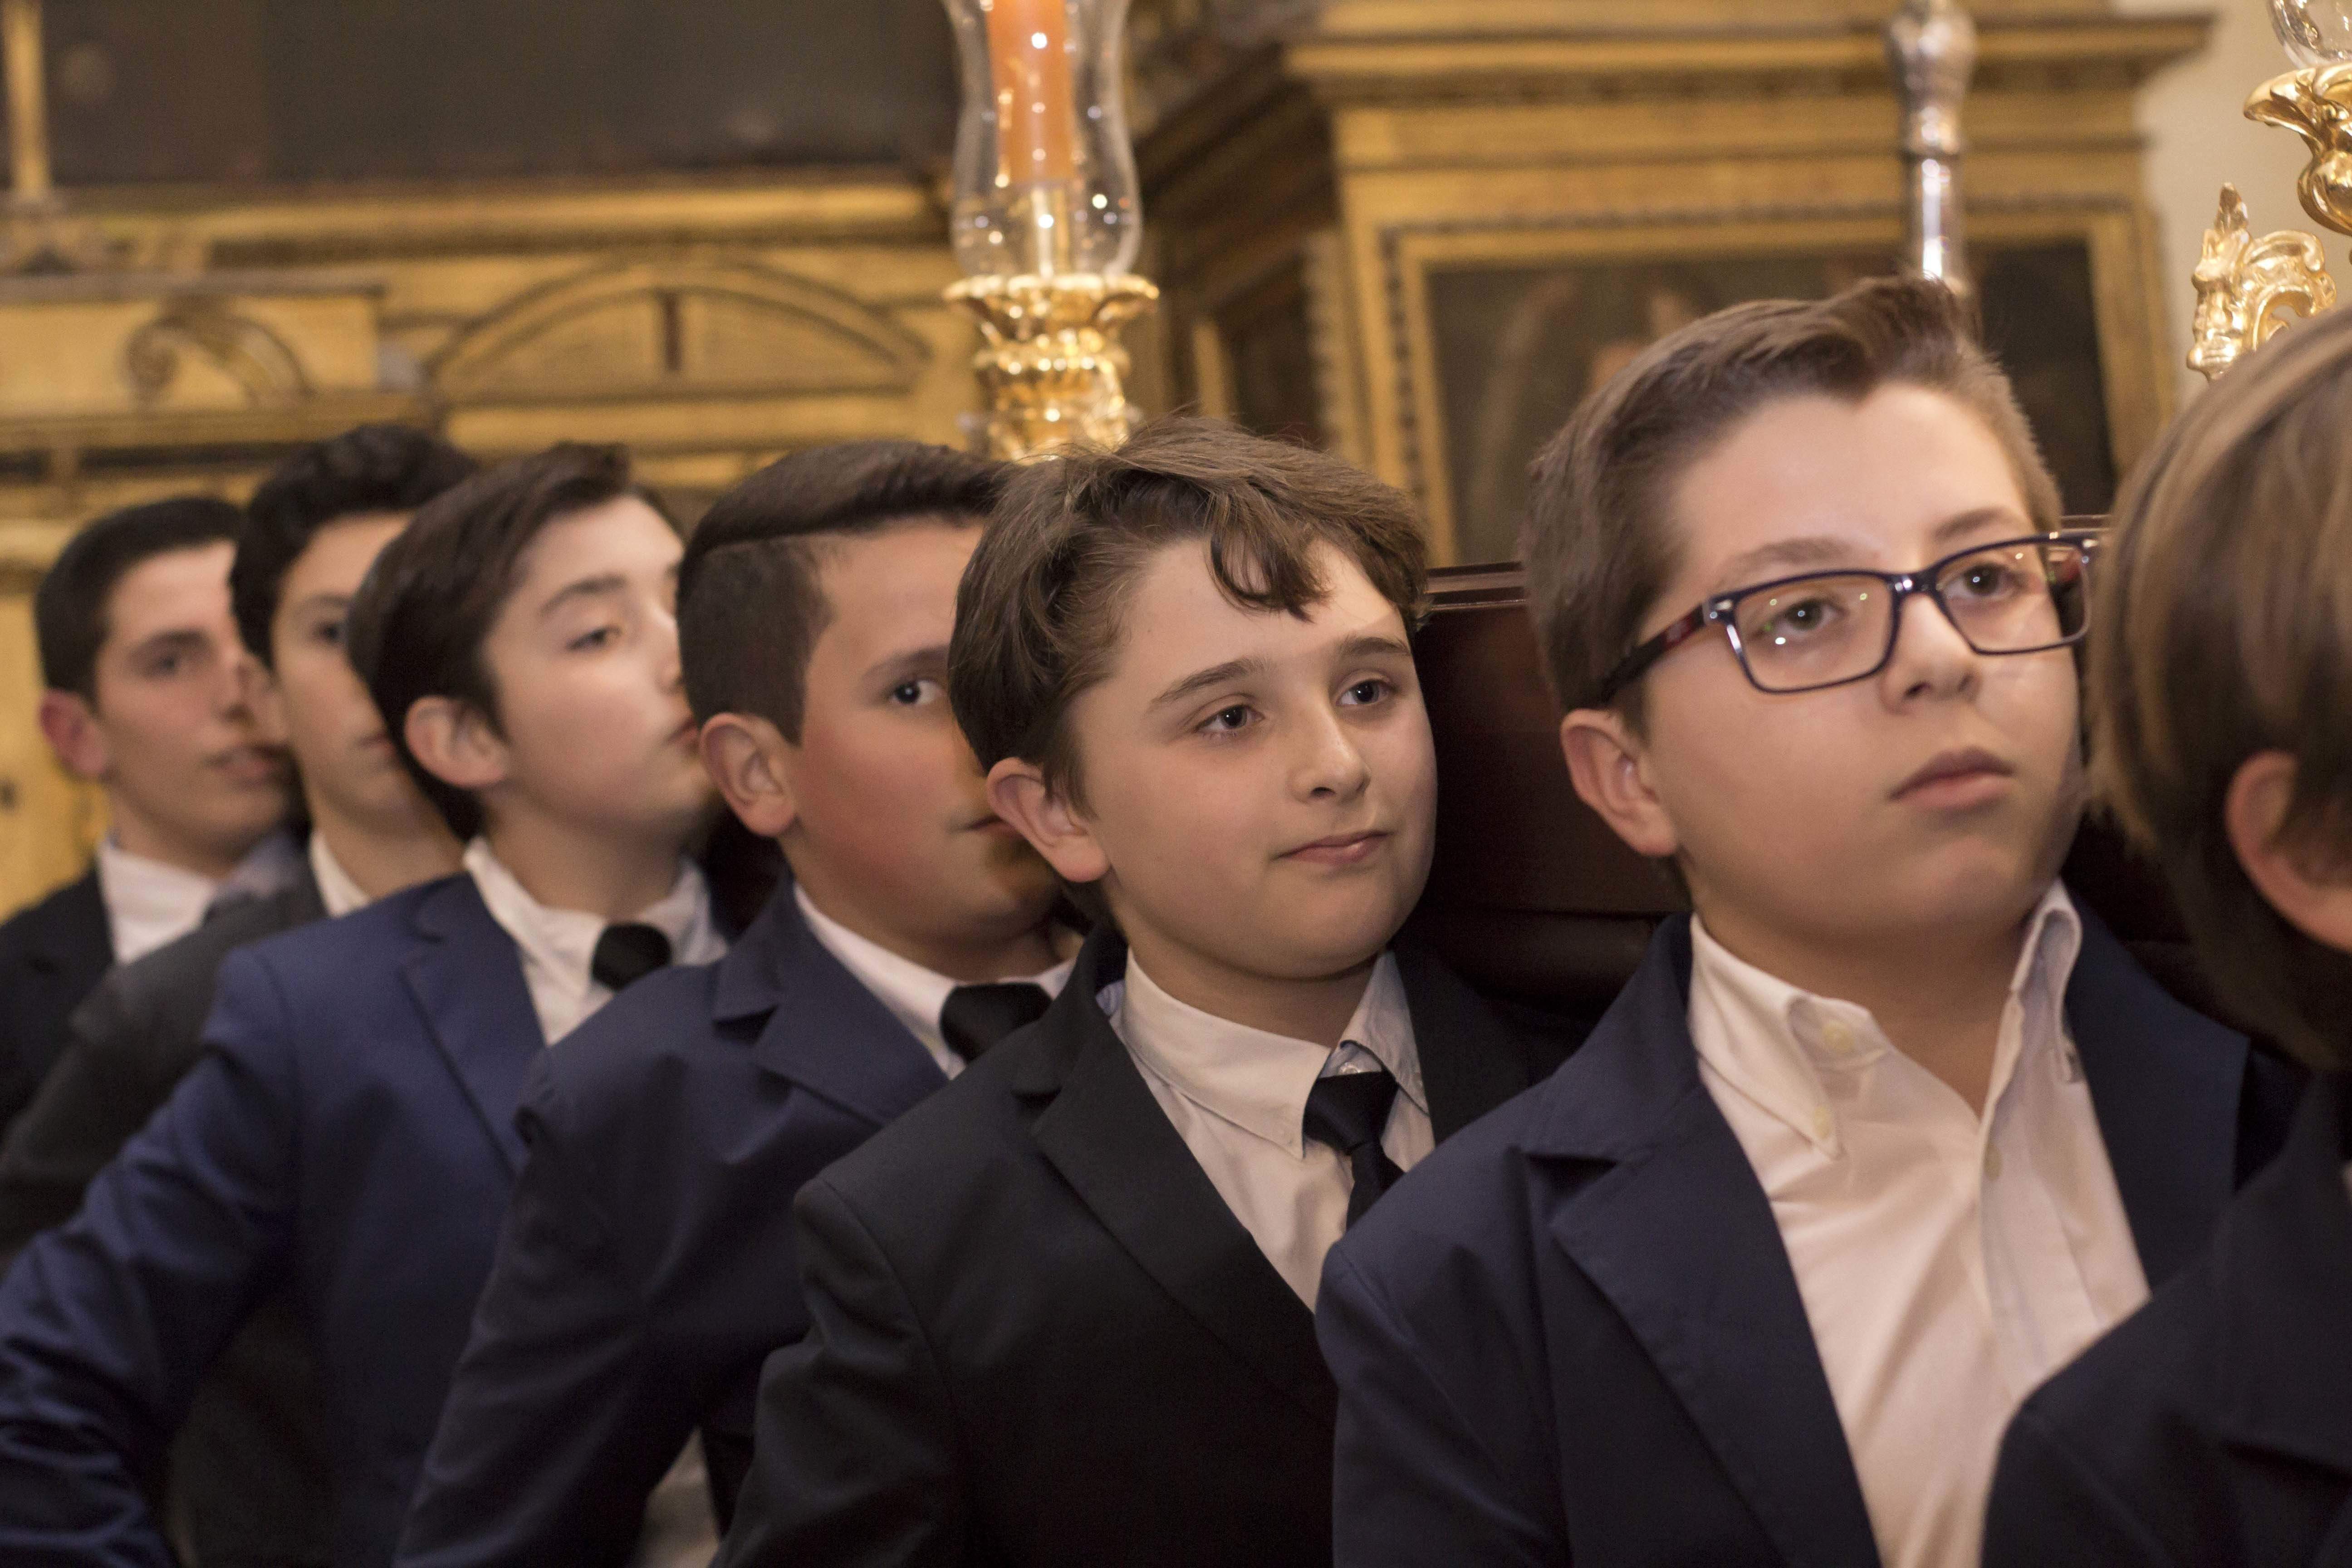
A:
x,y
1993,1164
1823,1122
1838,1036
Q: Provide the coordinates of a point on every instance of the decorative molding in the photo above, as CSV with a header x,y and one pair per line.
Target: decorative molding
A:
x,y
249,353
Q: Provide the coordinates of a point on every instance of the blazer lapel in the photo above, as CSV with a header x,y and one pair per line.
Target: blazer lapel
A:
x,y
75,942
824,1031
468,979
2166,1084
1674,1229
1106,1135
1471,1061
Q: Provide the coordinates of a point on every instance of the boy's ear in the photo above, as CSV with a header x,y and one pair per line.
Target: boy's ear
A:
x,y
73,731
1017,793
455,743
750,760
2310,889
1610,772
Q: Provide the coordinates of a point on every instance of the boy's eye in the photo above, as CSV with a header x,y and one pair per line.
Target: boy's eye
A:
x,y
914,693
603,636
1985,580
329,633
1227,720
1364,693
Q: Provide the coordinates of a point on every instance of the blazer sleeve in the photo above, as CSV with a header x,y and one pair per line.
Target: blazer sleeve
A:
x,y
107,1321
558,1425
1413,1480
855,1459
86,1109
2048,1507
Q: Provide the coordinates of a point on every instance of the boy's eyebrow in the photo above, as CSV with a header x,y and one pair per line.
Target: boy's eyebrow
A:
x,y
932,658
1365,647
1823,550
183,640
1216,675
586,588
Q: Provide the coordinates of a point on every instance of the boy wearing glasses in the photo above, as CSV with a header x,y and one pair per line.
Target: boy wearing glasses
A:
x,y
1888,1129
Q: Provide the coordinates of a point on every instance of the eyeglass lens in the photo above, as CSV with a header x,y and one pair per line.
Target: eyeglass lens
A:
x,y
1819,631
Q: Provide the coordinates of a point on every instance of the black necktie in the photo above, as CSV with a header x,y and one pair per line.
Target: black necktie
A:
x,y
626,953
977,1016
1348,1111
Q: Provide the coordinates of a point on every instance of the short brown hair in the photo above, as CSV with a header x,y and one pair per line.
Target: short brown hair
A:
x,y
1598,545
749,603
420,618
2223,629
1037,618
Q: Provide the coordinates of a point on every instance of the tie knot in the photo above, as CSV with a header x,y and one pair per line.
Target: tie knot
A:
x,y
1349,1111
977,1016
626,953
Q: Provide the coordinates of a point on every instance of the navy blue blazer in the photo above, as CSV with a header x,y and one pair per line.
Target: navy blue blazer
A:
x,y
1572,1334
350,1135
644,1271
2212,1428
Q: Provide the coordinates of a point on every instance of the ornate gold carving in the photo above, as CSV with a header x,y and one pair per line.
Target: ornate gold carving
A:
x,y
2316,105
249,353
2247,289
1052,366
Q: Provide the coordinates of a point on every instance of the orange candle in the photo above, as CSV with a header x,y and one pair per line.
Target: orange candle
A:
x,y
1036,101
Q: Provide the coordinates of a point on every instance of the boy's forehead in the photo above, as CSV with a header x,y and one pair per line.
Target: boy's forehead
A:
x,y
1883,477
894,585
621,535
1176,615
176,590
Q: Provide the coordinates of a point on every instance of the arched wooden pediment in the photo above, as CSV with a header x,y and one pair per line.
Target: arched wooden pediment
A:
x,y
679,328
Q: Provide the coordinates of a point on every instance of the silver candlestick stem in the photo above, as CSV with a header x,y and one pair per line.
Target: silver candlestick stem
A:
x,y
1931,46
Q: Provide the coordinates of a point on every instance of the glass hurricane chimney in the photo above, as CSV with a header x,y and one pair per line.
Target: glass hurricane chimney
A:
x,y
1044,173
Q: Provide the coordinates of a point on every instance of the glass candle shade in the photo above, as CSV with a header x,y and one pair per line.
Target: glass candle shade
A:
x,y
2314,32
1045,174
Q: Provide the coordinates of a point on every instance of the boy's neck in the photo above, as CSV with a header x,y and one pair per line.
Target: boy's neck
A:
x,y
977,958
381,859
606,875
1938,996
135,834
1314,1010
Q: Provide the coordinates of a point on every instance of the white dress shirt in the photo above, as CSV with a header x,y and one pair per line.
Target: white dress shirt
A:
x,y
149,904
915,996
559,946
1948,1263
1237,1096
336,890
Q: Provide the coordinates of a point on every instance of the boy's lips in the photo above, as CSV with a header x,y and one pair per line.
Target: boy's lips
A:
x,y
1340,848
1967,776
250,765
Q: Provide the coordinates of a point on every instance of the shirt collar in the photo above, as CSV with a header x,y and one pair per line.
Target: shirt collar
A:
x,y
1774,1042
564,940
1255,1079
337,889
914,995
151,902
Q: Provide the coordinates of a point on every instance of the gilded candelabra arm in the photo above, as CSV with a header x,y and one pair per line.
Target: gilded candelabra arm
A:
x,y
2247,289
2315,104
1051,364
1931,48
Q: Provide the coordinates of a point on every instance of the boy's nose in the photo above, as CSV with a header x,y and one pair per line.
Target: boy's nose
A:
x,y
1931,657
1332,766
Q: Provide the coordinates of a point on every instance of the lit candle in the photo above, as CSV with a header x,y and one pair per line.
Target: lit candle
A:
x,y
1036,102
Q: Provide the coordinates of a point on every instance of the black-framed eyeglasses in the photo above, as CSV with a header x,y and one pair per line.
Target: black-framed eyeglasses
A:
x,y
1830,628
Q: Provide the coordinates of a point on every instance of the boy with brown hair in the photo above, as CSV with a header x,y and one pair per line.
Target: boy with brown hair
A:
x,y
1886,1131
1060,1313
2215,1426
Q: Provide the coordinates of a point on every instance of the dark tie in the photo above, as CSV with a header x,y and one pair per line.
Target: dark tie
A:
x,y
627,952
977,1016
1348,1111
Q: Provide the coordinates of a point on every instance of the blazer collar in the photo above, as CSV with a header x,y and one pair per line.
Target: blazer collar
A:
x,y
468,979
824,1030
1471,1062
2282,1267
1649,1191
1101,1129
2166,1085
